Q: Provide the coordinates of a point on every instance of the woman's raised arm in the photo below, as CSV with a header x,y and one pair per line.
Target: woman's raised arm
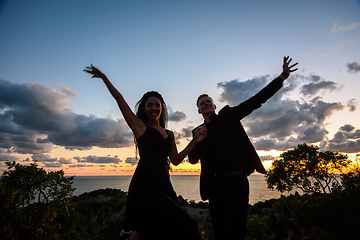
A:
x,y
136,124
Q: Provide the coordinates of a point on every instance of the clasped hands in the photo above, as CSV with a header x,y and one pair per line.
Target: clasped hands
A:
x,y
200,133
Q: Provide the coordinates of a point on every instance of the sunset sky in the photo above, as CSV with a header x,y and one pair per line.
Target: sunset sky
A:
x,y
53,112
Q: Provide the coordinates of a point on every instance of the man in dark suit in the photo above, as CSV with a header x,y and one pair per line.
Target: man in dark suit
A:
x,y
228,157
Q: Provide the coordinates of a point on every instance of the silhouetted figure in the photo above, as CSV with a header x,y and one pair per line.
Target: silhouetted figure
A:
x,y
151,209
228,157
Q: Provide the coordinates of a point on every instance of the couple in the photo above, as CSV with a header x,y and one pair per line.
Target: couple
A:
x,y
227,158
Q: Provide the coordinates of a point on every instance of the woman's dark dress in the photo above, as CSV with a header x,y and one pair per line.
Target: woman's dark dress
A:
x,y
152,207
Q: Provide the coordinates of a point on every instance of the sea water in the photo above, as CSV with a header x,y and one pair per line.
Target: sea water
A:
x,y
187,186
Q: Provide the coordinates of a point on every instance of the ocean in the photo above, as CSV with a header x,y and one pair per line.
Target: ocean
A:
x,y
187,186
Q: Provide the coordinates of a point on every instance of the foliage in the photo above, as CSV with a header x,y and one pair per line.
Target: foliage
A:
x,y
35,204
101,212
308,169
191,203
39,205
329,208
316,216
320,216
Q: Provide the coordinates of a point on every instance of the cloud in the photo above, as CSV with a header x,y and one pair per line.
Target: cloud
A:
x,y
48,161
267,158
34,118
235,91
36,107
282,123
4,157
187,132
65,161
325,51
81,166
353,67
348,27
331,49
293,123
346,140
347,128
131,160
91,131
176,116
345,133
43,158
100,160
310,53
352,104
65,90
313,87
184,133
53,165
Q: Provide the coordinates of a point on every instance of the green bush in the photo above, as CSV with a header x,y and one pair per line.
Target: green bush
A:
x,y
35,204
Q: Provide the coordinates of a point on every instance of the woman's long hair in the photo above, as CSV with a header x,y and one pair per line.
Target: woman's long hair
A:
x,y
140,106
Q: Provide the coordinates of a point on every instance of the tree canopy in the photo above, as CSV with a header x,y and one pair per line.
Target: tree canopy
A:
x,y
308,169
34,203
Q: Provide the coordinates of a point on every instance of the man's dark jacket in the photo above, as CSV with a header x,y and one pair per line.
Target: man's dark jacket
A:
x,y
230,118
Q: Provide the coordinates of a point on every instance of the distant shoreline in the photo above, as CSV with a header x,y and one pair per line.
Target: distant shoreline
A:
x,y
254,174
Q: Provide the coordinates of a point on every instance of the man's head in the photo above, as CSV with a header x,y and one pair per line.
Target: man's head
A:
x,y
205,105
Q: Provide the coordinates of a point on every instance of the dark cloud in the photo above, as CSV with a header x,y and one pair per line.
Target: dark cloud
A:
x,y
65,161
43,158
353,67
267,158
34,117
131,160
235,92
314,78
348,147
352,104
187,132
53,165
177,136
313,88
176,116
346,140
305,120
282,123
36,107
92,131
81,166
7,158
273,144
347,134
100,160
49,161
24,142
347,128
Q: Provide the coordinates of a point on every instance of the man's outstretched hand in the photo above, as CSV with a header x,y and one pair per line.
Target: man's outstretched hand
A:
x,y
287,69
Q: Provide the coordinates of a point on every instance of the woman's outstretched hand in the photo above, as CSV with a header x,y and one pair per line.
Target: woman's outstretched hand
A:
x,y
96,73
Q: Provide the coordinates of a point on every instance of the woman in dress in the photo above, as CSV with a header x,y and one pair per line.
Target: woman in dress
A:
x,y
152,211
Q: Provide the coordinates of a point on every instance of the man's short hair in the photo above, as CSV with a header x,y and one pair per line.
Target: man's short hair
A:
x,y
201,96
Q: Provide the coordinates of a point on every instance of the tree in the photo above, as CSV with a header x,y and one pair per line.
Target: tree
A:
x,y
308,169
35,204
